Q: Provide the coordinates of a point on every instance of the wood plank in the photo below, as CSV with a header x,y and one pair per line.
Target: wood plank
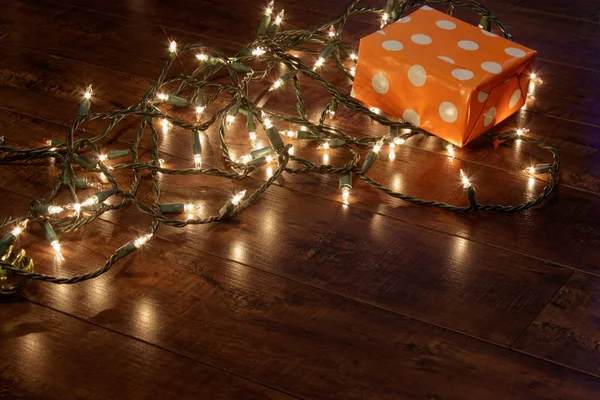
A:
x,y
45,354
541,31
567,330
588,10
285,334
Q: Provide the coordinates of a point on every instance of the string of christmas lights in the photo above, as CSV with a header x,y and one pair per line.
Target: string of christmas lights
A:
x,y
273,50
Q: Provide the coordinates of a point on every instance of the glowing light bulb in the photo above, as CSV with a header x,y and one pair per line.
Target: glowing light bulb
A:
x,y
319,63
54,210
522,131
245,159
165,125
531,170
353,71
303,128
230,118
88,93
192,207
198,161
385,17
139,242
377,146
276,85
375,110
291,134
268,123
162,96
399,141
77,208
199,111
90,202
291,151
102,157
259,51
450,150
19,228
464,179
202,57
56,246
533,76
160,162
269,158
252,136
270,7
345,194
279,17
325,146
331,33
238,197
173,46
353,56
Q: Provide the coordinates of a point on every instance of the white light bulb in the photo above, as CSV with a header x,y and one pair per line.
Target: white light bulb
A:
x,y
238,197
326,146
173,46
139,242
191,207
533,76
230,118
464,179
331,33
319,63
90,202
198,161
346,194
531,170
199,110
276,85
162,96
377,146
385,17
77,208
268,123
252,136
303,128
270,7
19,228
259,51
399,141
102,157
246,159
160,162
269,158
375,110
202,57
353,71
279,17
353,56
54,209
88,92
291,151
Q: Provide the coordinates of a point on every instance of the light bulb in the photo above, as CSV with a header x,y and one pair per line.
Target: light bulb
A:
x,y
292,134
77,208
246,159
533,76
90,202
160,162
385,17
279,17
353,71
54,210
319,63
202,57
269,158
102,157
230,118
345,194
291,151
238,197
139,242
56,246
270,7
162,96
198,161
268,123
399,141
259,51
531,170
375,110
252,136
353,56
199,111
191,207
377,146
276,85
450,150
464,179
88,93
303,128
325,146
19,228
331,33
173,46
406,130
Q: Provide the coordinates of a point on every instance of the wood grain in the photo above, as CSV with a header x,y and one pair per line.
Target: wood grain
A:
x,y
45,354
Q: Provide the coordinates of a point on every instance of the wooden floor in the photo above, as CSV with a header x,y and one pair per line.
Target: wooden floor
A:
x,y
300,297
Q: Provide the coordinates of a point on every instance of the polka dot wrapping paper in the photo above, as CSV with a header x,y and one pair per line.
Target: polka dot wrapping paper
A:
x,y
442,74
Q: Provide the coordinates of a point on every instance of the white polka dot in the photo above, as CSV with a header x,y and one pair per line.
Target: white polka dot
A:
x,y
462,74
488,33
426,8
492,67
468,45
448,111
380,83
412,117
489,116
445,24
381,32
420,39
447,59
513,51
417,75
392,45
482,96
403,20
514,99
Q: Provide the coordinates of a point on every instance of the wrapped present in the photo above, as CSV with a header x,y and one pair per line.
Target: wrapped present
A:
x,y
442,74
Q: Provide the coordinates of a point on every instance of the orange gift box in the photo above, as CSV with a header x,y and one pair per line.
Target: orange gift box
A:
x,y
444,75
